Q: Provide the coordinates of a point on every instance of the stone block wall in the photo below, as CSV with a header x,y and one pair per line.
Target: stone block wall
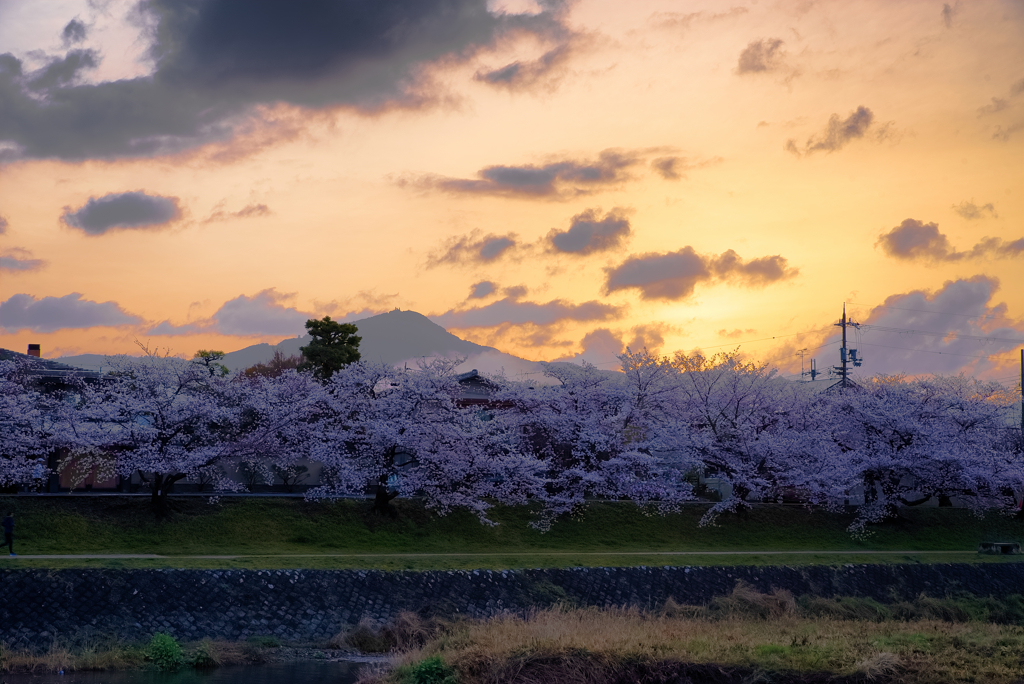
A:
x,y
312,605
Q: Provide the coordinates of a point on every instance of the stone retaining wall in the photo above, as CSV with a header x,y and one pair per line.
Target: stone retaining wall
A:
x,y
312,605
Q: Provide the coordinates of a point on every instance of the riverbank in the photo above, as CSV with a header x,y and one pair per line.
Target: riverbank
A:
x,y
286,534
107,653
740,637
748,636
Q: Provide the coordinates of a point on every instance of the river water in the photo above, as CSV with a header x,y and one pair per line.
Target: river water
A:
x,y
277,673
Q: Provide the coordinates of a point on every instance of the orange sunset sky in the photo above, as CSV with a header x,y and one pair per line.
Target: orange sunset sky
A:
x,y
557,180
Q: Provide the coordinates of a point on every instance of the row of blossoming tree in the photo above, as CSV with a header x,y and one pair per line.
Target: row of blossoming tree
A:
x,y
648,434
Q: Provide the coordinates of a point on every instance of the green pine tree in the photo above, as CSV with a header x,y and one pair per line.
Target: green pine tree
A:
x,y
334,346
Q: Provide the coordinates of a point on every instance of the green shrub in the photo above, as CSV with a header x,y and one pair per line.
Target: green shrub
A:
x,y
164,652
432,670
205,655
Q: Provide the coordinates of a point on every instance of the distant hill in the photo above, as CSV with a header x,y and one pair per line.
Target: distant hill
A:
x,y
393,337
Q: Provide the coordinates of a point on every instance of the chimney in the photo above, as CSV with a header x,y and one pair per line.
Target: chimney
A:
x,y
33,350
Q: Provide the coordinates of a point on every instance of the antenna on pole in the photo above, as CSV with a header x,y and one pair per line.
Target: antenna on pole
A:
x,y
846,355
801,353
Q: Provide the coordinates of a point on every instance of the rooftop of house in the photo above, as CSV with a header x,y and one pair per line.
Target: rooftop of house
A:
x,y
47,370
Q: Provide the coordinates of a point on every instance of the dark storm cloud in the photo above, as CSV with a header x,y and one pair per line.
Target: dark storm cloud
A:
x,y
472,249
482,289
216,60
675,275
126,210
25,312
561,179
74,32
971,211
17,259
837,134
760,56
509,311
589,233
915,240
61,72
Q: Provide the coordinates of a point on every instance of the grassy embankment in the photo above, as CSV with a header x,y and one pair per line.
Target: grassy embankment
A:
x,y
288,533
740,638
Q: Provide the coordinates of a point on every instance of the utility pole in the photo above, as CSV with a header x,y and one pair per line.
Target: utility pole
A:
x,y
801,353
846,355
1022,400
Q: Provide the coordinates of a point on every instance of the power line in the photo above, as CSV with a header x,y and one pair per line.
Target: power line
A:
x,y
774,337
930,351
889,329
941,313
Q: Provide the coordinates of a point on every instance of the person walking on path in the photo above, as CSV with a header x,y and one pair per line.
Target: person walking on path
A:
x,y
8,524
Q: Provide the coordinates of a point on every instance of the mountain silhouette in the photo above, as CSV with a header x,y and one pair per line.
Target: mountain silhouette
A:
x,y
394,337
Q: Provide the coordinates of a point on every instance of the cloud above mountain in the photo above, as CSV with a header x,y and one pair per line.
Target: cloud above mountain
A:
x,y
135,210
265,313
512,311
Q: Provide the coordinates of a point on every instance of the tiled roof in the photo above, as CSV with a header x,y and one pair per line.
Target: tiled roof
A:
x,y
45,369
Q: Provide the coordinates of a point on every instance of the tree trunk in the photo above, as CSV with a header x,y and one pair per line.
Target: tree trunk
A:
x,y
382,499
162,486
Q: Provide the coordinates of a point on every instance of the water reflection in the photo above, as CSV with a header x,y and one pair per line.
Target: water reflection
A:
x,y
292,673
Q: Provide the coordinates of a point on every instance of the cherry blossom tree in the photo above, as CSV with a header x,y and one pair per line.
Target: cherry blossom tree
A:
x,y
276,415
26,431
403,432
592,431
162,417
905,442
732,415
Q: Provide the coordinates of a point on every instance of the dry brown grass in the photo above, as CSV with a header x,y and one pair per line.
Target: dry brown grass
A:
x,y
407,631
749,631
